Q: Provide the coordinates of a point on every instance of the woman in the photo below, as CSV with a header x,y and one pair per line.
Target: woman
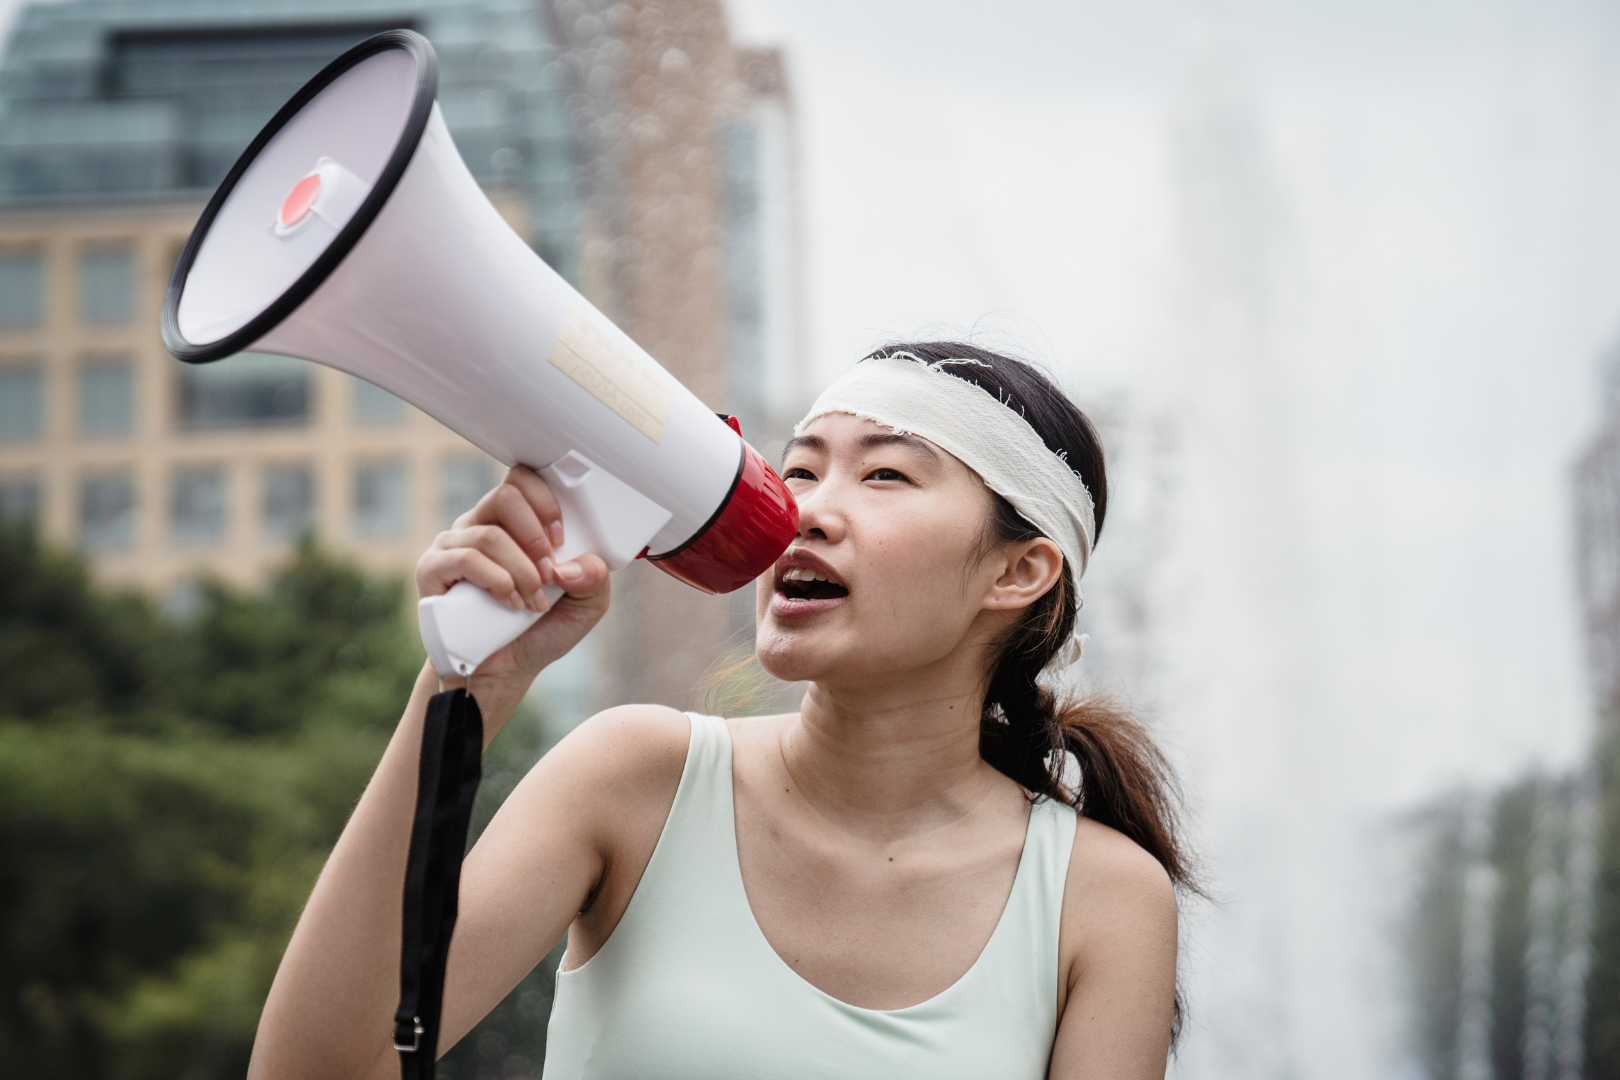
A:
x,y
893,881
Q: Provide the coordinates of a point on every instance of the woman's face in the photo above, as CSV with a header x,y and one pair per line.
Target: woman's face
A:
x,y
885,574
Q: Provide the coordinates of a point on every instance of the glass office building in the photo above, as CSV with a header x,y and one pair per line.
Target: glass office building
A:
x,y
112,99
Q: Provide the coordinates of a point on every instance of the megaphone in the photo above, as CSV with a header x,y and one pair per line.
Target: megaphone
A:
x,y
351,233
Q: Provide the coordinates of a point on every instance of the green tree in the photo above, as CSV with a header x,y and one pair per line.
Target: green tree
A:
x,y
322,649
64,646
1603,982
169,790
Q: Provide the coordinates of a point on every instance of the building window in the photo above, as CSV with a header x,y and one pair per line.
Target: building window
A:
x,y
106,285
245,390
289,500
379,499
107,396
107,510
22,289
19,498
463,480
22,401
374,405
197,507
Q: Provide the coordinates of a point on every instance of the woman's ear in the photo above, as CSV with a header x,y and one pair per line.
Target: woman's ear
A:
x,y
1031,568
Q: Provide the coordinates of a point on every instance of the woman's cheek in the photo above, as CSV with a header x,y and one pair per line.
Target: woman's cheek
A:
x,y
909,585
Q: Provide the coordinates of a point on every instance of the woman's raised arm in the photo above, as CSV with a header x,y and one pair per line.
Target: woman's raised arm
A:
x,y
330,1010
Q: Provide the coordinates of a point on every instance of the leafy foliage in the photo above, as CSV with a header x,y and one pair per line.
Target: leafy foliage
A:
x,y
63,645
322,649
1431,937
1603,984
1512,863
168,793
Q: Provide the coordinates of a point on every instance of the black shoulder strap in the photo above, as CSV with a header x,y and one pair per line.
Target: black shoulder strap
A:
x,y
452,750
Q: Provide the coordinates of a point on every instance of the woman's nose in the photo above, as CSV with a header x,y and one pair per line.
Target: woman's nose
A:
x,y
820,515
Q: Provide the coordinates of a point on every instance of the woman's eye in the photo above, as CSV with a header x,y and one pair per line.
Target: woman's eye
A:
x,y
885,474
798,474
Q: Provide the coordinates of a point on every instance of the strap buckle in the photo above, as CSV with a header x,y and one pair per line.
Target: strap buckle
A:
x,y
415,1031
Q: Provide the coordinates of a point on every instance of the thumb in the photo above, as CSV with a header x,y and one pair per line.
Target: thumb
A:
x,y
585,581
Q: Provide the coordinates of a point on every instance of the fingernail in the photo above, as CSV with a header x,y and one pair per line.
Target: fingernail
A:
x,y
537,602
548,570
514,601
570,572
556,534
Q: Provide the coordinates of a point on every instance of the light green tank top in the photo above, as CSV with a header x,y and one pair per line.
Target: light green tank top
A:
x,y
687,986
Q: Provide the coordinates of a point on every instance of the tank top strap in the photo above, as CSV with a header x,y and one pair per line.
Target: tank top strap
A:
x,y
699,840
708,760
692,886
1023,952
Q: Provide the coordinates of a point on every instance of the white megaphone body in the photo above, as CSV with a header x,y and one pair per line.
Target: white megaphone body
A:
x,y
350,233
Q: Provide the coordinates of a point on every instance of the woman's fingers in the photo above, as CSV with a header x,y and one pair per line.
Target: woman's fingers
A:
x,y
523,505
440,568
517,527
539,497
502,549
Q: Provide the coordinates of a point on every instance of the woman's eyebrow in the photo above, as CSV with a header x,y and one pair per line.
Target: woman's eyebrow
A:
x,y
804,442
890,438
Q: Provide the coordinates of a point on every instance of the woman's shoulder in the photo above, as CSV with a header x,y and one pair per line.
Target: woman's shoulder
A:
x,y
1115,889
629,746
1106,864
612,779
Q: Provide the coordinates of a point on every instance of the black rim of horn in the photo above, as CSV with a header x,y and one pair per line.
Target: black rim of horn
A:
x,y
427,84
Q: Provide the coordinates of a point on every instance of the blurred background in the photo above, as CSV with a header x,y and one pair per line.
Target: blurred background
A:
x,y
1339,281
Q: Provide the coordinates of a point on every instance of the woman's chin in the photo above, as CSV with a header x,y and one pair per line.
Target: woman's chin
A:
x,y
792,654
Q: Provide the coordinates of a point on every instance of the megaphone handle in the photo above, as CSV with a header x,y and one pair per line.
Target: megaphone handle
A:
x,y
467,624
600,514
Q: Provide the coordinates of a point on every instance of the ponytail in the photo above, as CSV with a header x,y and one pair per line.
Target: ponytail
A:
x,y
1124,781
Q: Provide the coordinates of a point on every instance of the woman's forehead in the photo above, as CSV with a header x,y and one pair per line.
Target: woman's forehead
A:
x,y
840,431
843,425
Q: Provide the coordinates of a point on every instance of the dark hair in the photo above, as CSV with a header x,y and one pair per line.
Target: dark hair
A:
x,y
1125,781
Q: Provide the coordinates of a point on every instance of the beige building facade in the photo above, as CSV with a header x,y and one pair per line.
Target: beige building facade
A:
x,y
160,472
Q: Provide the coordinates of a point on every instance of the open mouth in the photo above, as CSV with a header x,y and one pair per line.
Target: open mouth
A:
x,y
799,583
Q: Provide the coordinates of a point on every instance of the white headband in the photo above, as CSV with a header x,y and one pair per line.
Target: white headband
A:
x,y
915,398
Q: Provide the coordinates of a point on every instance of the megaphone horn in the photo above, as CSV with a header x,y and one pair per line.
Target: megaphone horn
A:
x,y
351,233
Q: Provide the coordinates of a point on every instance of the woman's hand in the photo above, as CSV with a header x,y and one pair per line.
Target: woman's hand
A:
x,y
506,546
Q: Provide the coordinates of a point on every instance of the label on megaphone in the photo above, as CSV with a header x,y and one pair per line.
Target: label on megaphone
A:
x,y
611,374
600,513
350,233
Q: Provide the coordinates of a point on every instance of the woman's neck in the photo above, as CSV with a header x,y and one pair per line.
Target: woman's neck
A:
x,y
891,758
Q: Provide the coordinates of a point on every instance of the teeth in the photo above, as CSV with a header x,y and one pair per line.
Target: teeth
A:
x,y
799,573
